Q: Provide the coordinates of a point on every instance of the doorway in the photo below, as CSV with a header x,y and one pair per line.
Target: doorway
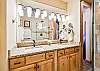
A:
x,y
85,31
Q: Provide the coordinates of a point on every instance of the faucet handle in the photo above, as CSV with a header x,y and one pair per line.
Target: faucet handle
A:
x,y
34,43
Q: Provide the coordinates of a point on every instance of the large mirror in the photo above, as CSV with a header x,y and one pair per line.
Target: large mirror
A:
x,y
38,21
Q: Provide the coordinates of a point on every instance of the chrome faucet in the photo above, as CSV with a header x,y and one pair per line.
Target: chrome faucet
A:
x,y
34,43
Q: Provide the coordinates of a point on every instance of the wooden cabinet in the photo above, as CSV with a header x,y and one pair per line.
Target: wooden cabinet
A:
x,y
72,63
46,65
63,63
61,60
77,62
26,68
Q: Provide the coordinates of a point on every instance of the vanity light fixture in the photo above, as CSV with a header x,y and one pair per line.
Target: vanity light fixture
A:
x,y
20,10
67,18
37,13
45,13
42,16
55,18
52,15
58,17
63,18
29,11
50,18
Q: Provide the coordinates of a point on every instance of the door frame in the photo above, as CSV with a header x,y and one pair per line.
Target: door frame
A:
x,y
82,4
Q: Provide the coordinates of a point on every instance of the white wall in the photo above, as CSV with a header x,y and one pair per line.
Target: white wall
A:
x,y
11,27
74,13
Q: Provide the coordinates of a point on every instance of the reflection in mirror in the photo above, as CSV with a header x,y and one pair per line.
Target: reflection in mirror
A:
x,y
36,23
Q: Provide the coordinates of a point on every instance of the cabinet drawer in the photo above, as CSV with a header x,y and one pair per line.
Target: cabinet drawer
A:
x,y
77,49
18,62
60,53
71,50
49,55
26,68
67,51
35,58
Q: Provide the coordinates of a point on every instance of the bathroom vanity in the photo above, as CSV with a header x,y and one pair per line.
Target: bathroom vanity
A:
x,y
56,57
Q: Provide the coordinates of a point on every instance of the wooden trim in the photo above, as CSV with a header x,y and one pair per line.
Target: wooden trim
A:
x,y
89,2
81,31
3,48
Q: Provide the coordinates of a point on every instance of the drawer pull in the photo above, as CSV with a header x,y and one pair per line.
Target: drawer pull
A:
x,y
61,53
37,66
50,55
17,63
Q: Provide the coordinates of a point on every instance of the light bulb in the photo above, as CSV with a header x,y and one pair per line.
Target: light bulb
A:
x,y
67,18
37,11
52,15
58,17
29,11
20,10
42,16
63,18
54,18
50,18
45,13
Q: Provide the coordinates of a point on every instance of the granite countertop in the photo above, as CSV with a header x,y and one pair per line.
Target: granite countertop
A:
x,y
17,52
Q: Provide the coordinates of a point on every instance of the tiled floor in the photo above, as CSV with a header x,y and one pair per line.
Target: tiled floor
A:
x,y
86,67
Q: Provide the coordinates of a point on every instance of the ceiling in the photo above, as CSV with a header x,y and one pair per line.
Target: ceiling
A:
x,y
88,1
65,0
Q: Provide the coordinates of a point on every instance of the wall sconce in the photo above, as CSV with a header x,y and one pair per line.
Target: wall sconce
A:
x,y
58,17
29,11
20,10
63,18
37,13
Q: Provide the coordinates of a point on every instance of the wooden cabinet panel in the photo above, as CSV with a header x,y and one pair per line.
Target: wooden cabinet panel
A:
x,y
72,62
46,65
60,53
26,68
77,62
18,62
35,58
67,51
49,55
63,63
76,49
71,50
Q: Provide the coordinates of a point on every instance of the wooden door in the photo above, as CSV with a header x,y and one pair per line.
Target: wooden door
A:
x,y
46,65
63,63
26,68
72,62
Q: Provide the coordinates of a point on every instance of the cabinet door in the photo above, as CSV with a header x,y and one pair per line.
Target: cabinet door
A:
x,y
63,63
46,65
26,68
77,62
72,62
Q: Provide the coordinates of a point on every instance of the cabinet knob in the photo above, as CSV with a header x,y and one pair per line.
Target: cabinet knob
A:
x,y
37,66
34,67
50,55
17,63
